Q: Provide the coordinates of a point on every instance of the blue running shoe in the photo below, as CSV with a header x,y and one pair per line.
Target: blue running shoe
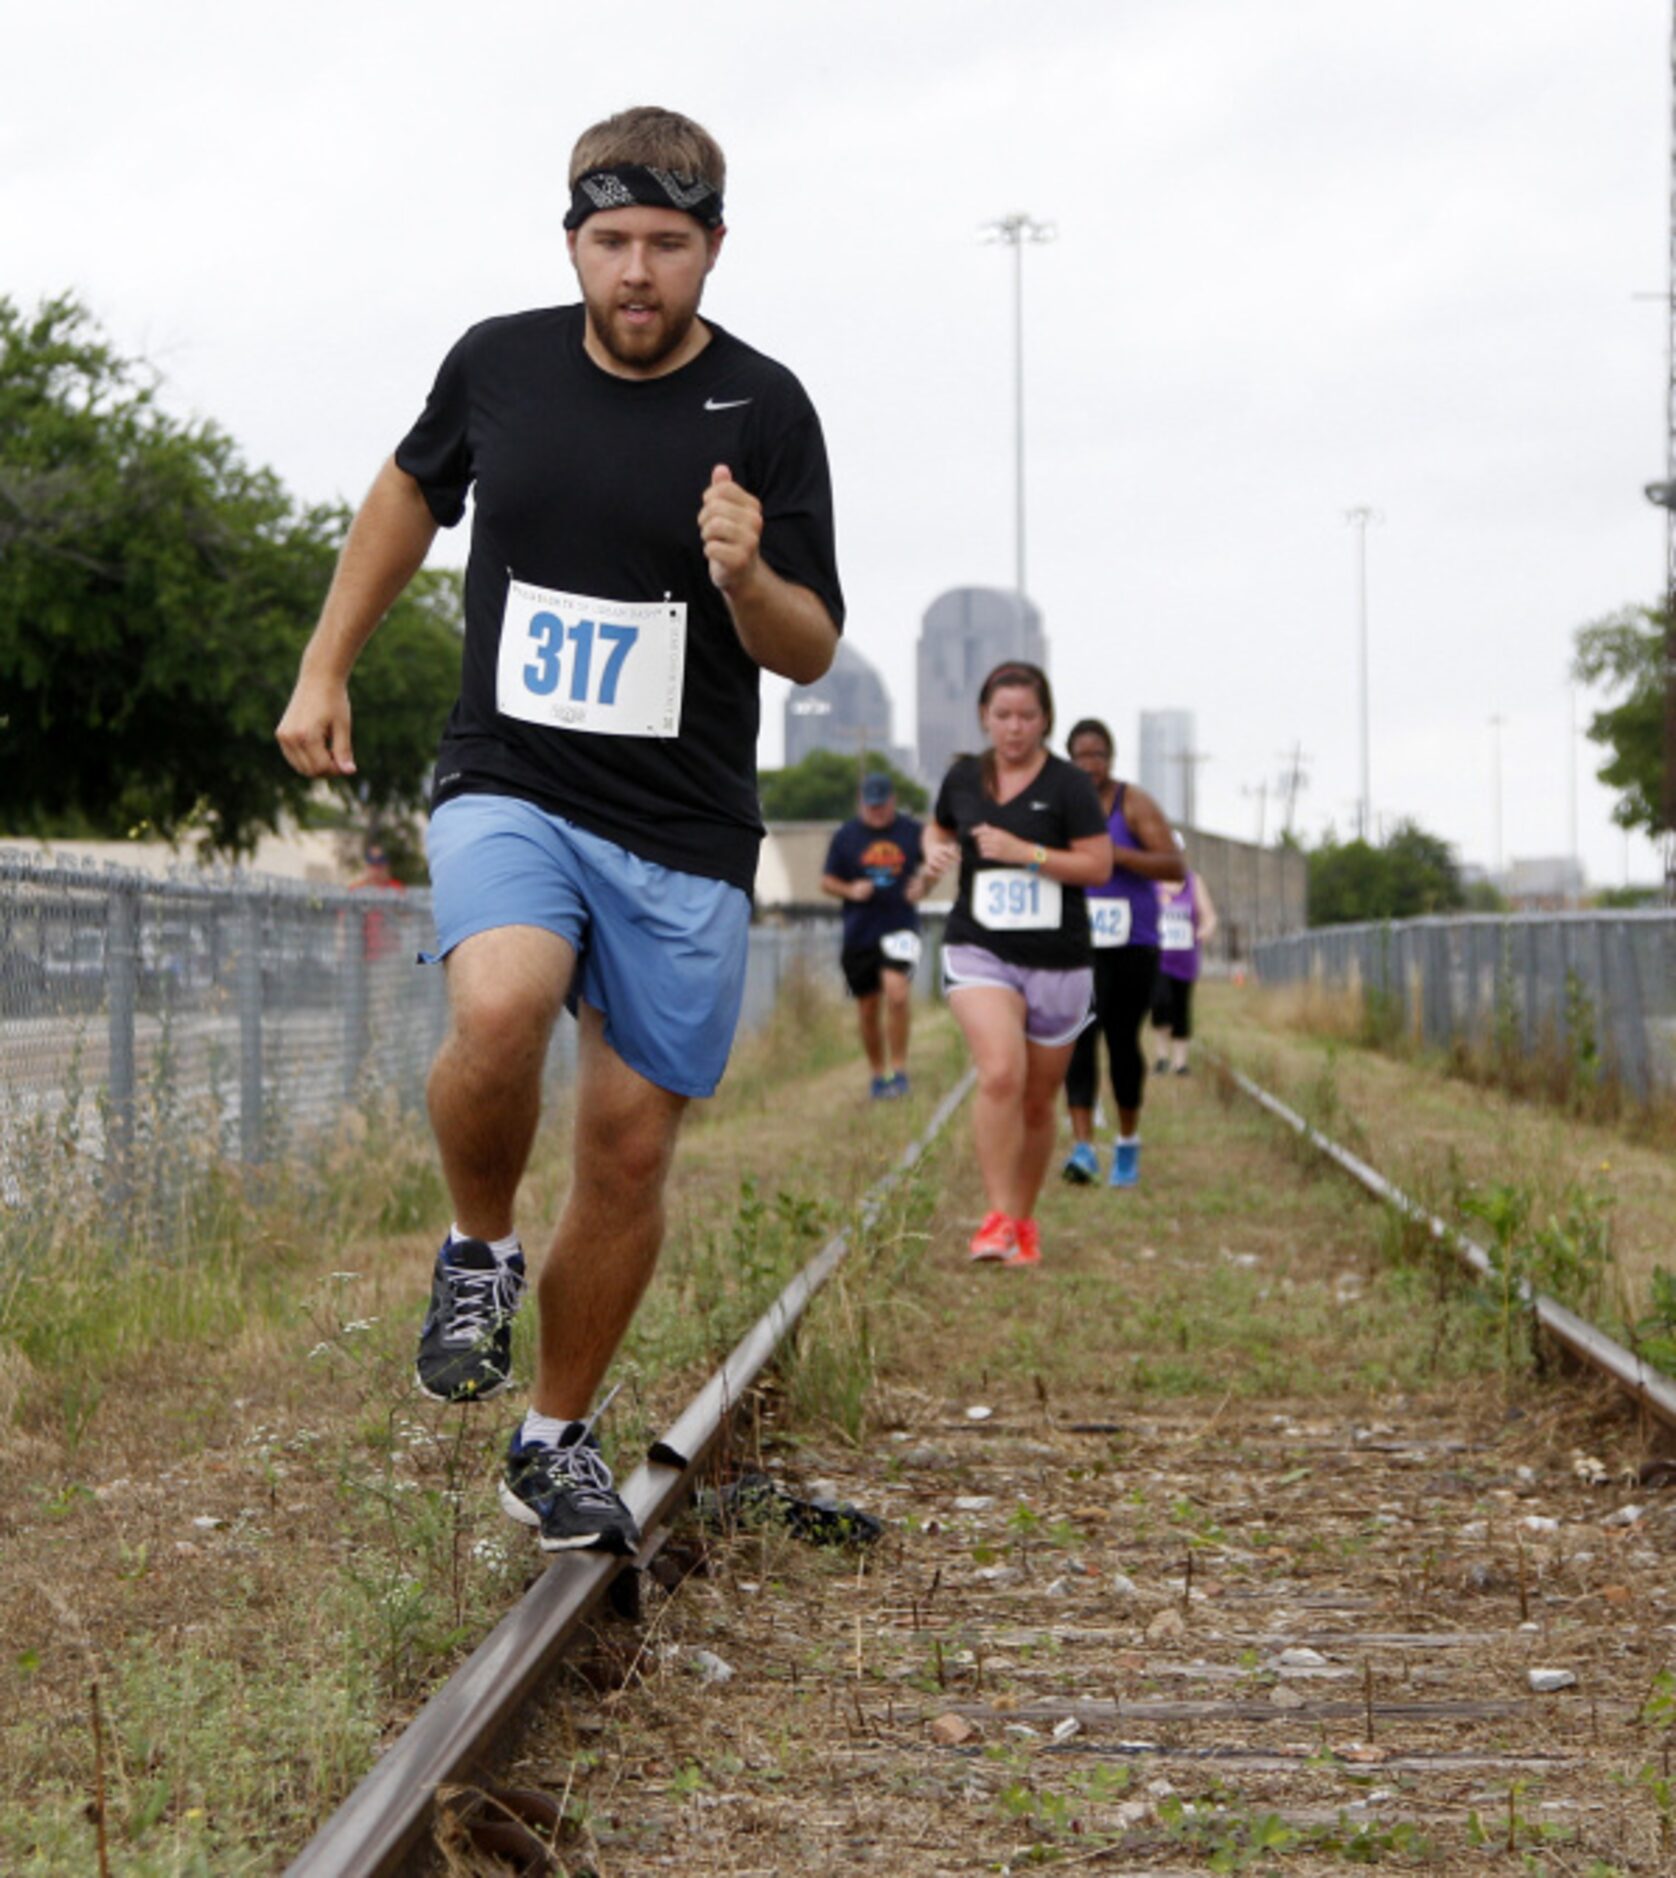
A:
x,y
884,1089
1126,1164
465,1345
899,1083
1083,1166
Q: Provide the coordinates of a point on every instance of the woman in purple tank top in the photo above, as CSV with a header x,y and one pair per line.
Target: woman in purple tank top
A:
x,y
1186,920
1123,923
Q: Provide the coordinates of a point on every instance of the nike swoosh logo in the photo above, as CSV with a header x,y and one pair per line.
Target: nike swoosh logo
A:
x,y
1038,805
724,404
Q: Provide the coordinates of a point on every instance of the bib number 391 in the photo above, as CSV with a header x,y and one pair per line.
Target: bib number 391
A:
x,y
1012,899
614,667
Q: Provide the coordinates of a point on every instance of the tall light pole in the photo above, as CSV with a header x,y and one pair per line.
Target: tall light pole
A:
x,y
1664,494
1014,231
1496,723
1571,793
1360,518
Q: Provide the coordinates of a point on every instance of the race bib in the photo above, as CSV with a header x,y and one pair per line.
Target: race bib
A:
x,y
1175,929
1108,922
613,667
1012,899
902,948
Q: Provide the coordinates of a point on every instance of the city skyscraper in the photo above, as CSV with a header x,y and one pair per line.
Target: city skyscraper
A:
x,y
966,632
1167,762
848,710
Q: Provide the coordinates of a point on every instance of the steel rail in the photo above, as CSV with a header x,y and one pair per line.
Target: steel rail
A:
x,y
379,1830
1655,1392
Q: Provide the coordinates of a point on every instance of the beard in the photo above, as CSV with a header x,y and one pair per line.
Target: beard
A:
x,y
640,347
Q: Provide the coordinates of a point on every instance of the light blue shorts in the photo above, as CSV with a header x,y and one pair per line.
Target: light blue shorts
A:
x,y
660,954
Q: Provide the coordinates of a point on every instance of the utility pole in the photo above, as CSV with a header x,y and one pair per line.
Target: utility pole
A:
x,y
1013,231
1292,779
1261,792
1190,761
1360,518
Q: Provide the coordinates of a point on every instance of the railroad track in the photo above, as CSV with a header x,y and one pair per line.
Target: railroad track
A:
x,y
1118,1626
383,1826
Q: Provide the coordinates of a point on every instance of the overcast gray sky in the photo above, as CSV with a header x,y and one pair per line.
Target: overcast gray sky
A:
x,y
1311,254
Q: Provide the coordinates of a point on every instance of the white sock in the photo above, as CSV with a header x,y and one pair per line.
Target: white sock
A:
x,y
547,1429
503,1249
1128,1141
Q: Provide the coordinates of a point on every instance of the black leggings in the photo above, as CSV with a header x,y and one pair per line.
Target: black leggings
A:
x,y
1172,1007
1123,981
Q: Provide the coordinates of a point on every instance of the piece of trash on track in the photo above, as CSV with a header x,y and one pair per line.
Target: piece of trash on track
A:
x,y
979,1412
1300,1657
709,1667
1625,1516
1063,1730
1550,1681
755,1500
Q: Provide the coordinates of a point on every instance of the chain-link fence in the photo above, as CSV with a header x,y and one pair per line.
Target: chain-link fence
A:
x,y
147,1023
1597,988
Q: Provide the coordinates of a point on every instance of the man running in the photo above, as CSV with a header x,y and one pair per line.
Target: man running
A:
x,y
653,525
872,865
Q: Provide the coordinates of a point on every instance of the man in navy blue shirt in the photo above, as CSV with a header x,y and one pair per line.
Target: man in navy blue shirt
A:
x,y
873,866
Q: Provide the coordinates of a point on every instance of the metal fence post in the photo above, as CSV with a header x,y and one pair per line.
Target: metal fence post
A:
x,y
249,985
357,934
122,976
1629,1012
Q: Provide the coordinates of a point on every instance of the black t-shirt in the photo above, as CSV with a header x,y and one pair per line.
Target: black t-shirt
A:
x,y
1059,807
889,857
588,488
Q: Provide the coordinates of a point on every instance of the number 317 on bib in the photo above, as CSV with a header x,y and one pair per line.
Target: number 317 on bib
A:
x,y
572,662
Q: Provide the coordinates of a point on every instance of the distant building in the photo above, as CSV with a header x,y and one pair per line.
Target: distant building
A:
x,y
1548,881
965,634
1167,762
848,710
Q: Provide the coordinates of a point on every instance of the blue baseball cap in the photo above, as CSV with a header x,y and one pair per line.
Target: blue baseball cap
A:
x,y
877,789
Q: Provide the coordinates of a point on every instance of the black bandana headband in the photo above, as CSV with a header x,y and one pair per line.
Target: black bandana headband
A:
x,y
633,185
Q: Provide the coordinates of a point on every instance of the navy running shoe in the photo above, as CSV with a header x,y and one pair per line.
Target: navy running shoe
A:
x,y
465,1346
565,1490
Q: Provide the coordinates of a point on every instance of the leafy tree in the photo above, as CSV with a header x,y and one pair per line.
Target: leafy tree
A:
x,y
822,788
155,595
1411,873
1627,651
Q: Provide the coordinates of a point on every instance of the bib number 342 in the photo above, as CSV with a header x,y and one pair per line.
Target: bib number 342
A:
x,y
569,662
1012,899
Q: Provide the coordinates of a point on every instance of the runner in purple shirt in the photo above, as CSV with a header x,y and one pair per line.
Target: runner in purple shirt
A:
x,y
1123,920
1186,920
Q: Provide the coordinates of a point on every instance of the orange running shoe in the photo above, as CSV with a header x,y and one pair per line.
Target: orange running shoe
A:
x,y
1028,1250
995,1238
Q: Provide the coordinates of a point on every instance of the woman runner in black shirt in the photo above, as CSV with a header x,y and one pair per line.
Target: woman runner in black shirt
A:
x,y
1028,832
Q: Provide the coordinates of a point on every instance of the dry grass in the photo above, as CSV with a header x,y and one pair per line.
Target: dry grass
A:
x,y
227,1507
1440,1135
